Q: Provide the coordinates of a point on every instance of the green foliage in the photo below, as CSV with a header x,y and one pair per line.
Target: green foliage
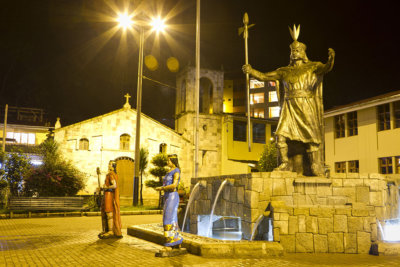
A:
x,y
16,166
268,158
144,155
160,162
55,177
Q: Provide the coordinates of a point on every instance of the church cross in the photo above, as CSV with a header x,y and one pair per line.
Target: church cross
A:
x,y
127,96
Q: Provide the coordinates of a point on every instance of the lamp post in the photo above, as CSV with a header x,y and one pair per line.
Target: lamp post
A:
x,y
157,25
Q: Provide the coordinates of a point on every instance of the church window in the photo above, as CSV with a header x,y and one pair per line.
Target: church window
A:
x,y
396,114
352,125
340,167
84,144
339,126
239,131
163,148
259,133
384,117
124,141
385,165
353,166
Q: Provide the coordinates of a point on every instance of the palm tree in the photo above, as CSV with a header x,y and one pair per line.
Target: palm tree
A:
x,y
144,154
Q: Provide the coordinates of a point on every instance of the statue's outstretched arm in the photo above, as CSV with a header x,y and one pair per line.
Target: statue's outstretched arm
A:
x,y
324,68
268,76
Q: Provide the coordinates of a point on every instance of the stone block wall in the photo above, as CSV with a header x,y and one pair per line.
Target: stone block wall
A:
x,y
310,214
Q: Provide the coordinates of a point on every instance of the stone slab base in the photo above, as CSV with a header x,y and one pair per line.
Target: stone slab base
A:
x,y
385,248
209,247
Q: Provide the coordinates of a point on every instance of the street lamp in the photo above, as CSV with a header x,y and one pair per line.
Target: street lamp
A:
x,y
158,25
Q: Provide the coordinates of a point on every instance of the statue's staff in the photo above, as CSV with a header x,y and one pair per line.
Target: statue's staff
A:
x,y
245,32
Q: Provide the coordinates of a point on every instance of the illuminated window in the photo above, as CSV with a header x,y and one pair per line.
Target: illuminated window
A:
x,y
339,126
384,117
396,111
271,83
340,167
256,84
385,165
257,113
239,131
353,166
257,98
84,144
24,138
274,112
352,126
397,161
272,96
124,141
259,133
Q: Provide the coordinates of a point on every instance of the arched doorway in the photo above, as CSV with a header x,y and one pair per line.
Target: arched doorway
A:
x,y
125,171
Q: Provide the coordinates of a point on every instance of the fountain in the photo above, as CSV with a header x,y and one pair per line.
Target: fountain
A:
x,y
255,226
213,206
190,201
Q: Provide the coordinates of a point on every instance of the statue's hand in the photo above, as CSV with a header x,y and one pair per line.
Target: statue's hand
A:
x,y
247,68
331,53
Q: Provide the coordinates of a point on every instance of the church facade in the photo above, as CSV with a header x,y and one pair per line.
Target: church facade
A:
x,y
222,138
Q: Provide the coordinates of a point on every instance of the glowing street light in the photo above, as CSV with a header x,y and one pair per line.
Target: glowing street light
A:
x,y
124,20
157,25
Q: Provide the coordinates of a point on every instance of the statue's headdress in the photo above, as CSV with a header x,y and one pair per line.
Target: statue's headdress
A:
x,y
295,35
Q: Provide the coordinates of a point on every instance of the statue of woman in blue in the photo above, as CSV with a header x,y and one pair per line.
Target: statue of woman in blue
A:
x,y
171,203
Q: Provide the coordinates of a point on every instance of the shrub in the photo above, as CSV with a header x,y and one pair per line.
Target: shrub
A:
x,y
268,158
55,177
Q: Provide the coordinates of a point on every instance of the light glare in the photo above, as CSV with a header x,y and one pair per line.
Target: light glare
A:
x,y
124,20
158,24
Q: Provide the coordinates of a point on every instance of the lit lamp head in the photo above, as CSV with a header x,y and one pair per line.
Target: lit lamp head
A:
x,y
297,49
125,20
158,24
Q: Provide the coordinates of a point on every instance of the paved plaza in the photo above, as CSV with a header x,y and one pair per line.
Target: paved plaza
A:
x,y
72,241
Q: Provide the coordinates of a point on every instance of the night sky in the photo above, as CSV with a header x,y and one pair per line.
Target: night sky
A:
x,y
55,56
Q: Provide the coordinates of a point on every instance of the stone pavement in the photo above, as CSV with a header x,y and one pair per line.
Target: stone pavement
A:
x,y
72,241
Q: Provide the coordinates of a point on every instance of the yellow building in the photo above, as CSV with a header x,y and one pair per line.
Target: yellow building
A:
x,y
364,136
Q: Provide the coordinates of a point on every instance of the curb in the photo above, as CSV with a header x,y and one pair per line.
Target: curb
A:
x,y
209,247
12,215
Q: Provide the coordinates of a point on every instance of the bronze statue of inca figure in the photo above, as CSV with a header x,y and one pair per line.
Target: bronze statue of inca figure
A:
x,y
301,118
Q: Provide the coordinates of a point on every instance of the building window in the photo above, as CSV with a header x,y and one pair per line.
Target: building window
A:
x,y
396,113
163,148
272,96
84,144
397,162
385,165
239,131
256,84
124,141
352,126
340,167
257,113
259,133
274,112
21,138
384,117
353,166
339,126
257,98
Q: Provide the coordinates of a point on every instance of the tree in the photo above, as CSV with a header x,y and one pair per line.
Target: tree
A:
x,y
56,176
268,159
16,166
144,154
160,162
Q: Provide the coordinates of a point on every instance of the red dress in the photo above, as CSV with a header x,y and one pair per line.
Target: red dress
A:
x,y
111,203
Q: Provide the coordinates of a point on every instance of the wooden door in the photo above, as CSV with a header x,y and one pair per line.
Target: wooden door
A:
x,y
125,172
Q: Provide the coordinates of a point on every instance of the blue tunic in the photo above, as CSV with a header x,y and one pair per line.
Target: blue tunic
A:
x,y
170,214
